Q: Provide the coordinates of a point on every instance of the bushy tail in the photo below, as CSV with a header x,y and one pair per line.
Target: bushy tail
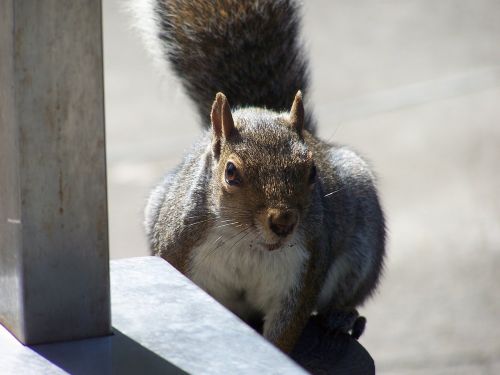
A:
x,y
247,49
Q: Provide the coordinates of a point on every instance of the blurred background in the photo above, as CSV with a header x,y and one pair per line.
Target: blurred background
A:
x,y
414,86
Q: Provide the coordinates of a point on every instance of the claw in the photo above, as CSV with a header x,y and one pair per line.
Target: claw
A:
x,y
358,327
348,322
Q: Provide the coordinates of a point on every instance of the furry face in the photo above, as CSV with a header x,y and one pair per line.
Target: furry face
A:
x,y
265,175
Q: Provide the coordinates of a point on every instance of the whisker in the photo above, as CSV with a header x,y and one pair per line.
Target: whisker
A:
x,y
240,240
337,128
204,215
215,248
239,233
333,192
225,225
207,254
210,219
198,222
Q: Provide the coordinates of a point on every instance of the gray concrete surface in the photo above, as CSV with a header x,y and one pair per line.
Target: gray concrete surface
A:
x,y
188,335
415,87
53,230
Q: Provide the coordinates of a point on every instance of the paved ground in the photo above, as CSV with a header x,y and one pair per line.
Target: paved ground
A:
x,y
415,87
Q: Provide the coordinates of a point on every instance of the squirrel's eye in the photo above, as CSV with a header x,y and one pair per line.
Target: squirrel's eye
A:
x,y
312,175
232,177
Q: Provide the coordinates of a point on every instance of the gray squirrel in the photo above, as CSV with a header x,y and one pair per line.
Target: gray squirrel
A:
x,y
271,221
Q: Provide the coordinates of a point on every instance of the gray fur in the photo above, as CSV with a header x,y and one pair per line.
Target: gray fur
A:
x,y
213,232
249,50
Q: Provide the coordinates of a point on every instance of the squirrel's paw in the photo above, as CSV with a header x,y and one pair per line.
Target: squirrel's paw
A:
x,y
345,321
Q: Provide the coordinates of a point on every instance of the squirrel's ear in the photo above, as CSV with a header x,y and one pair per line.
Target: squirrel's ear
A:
x,y
297,113
221,117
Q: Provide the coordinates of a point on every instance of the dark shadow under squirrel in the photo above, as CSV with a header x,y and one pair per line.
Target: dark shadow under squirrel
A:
x,y
274,223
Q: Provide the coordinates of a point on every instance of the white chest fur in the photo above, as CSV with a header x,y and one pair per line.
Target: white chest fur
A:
x,y
243,276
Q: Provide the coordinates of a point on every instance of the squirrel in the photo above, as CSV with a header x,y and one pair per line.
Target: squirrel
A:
x,y
274,223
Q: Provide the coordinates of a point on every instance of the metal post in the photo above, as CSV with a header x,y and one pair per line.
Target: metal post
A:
x,y
54,260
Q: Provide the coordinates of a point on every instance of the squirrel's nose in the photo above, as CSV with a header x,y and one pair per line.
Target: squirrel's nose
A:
x,y
282,222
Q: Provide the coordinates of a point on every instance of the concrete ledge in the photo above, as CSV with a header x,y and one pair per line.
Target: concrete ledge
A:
x,y
163,311
164,324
